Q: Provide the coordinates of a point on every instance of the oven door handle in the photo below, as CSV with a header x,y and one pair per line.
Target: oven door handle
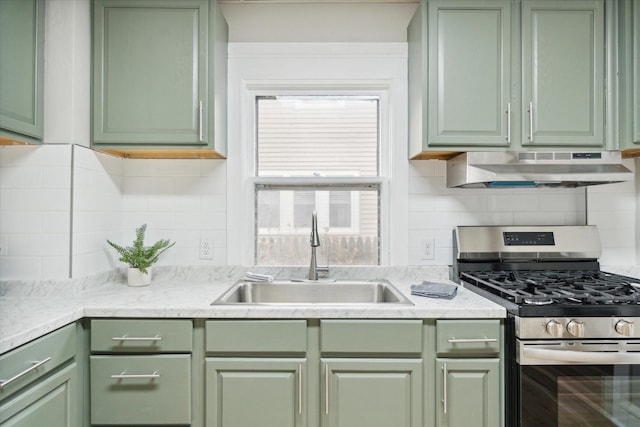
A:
x,y
590,357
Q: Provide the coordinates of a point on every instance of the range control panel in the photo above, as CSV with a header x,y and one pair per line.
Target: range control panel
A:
x,y
528,238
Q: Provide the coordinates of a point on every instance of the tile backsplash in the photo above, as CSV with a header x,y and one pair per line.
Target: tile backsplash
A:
x,y
59,203
35,211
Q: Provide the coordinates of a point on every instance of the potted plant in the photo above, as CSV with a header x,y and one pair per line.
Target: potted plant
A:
x,y
140,257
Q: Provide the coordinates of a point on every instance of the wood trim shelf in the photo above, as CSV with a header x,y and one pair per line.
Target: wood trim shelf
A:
x,y
164,153
435,155
631,153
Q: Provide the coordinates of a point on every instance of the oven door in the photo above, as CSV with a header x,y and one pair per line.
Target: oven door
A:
x,y
570,383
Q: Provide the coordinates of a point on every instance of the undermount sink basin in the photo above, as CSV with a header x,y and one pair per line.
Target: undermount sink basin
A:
x,y
352,292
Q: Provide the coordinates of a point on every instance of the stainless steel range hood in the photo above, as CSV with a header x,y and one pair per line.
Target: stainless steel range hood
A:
x,y
533,169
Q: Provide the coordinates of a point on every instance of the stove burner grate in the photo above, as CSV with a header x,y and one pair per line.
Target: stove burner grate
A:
x,y
556,287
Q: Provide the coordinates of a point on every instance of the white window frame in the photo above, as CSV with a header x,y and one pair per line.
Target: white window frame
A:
x,y
359,69
322,205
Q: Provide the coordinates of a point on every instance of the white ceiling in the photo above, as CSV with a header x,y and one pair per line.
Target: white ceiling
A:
x,y
313,21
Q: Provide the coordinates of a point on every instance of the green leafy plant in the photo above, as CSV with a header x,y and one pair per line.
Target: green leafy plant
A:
x,y
139,255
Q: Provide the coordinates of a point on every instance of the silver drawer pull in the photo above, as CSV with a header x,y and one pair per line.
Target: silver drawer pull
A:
x,y
156,338
445,374
125,376
300,388
471,340
35,366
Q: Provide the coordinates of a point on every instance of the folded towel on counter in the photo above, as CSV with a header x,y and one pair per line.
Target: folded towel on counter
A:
x,y
434,290
256,277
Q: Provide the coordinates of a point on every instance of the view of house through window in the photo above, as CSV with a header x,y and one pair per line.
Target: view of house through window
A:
x,y
330,142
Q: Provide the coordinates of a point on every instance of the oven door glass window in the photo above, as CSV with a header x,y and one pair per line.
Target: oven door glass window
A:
x,y
580,396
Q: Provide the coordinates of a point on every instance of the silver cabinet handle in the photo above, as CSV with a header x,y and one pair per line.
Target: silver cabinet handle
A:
x,y
326,389
471,340
125,376
200,114
125,338
531,121
35,366
300,389
508,122
445,373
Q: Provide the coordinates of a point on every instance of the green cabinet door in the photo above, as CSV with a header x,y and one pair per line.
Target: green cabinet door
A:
x,y
150,71
469,82
468,392
629,66
636,73
21,68
52,402
265,392
371,393
563,57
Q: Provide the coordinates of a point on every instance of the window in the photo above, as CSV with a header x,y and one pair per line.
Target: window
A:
x,y
317,153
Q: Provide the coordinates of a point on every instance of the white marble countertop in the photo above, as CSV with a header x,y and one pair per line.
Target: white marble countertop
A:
x,y
29,310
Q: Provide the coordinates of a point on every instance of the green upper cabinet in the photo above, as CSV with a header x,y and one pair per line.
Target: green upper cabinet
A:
x,y
469,73
159,70
507,74
563,72
21,69
629,66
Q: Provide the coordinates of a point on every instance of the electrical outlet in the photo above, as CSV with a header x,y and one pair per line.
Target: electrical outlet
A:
x,y
206,248
427,248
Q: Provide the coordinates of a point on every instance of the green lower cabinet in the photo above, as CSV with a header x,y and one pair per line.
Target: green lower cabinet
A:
x,y
265,392
371,393
141,390
468,392
52,402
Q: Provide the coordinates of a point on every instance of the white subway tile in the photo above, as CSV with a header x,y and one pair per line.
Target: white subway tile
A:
x,y
22,267
38,245
539,218
40,200
54,177
148,185
21,177
56,267
135,167
21,222
174,167
486,218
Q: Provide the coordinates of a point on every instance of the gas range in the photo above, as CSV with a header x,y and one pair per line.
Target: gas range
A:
x,y
559,292
572,331
542,271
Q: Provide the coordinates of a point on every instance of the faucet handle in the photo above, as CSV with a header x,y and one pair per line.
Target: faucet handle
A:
x,y
314,239
323,271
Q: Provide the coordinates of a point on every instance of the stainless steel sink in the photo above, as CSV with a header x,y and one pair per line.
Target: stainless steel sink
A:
x,y
350,292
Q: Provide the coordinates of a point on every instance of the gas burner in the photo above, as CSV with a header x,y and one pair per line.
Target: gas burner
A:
x,y
538,300
557,287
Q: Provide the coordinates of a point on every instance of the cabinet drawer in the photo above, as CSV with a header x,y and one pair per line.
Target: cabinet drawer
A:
x,y
141,336
370,336
256,336
466,337
143,390
25,364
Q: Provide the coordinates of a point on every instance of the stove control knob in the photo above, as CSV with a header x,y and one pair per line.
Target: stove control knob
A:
x,y
624,327
575,328
554,328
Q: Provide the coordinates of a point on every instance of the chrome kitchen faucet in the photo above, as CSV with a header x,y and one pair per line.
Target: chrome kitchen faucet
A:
x,y
315,242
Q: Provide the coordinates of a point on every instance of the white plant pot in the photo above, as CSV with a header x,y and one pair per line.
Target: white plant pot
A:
x,y
137,278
